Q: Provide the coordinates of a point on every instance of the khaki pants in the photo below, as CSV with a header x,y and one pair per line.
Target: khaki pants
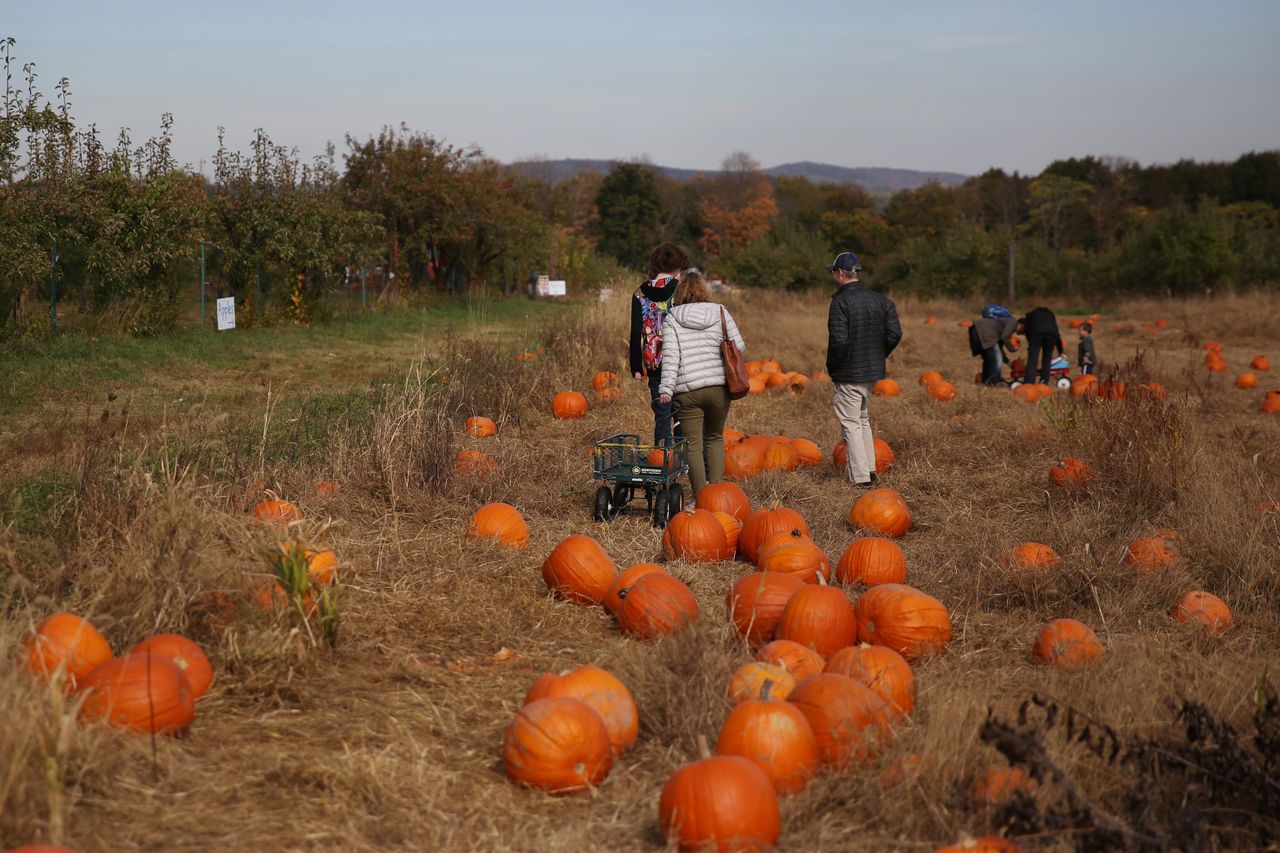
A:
x,y
850,403
702,413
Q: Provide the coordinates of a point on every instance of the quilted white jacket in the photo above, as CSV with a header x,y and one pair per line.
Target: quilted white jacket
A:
x,y
691,347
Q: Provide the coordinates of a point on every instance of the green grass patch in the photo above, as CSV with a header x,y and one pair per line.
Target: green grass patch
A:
x,y
29,506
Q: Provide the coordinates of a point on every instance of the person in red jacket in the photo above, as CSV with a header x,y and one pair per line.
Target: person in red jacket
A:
x,y
649,306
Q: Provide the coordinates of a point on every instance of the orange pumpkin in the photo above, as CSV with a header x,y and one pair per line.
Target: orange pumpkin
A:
x,y
1068,643
773,734
756,384
941,391
880,668
1247,380
559,744
871,561
473,463
743,461
928,377
885,457
997,785
910,622
608,394
725,497
1270,403
1215,362
1204,608
794,553
1112,389
848,719
781,457
578,569
65,640
1150,554
654,605
1027,393
808,454
695,536
481,427
1084,385
931,320
965,324
1260,362
722,802
1071,473
982,844
819,617
603,692
1033,555
756,601
882,511
569,405
732,530
887,388
327,488
185,654
801,661
140,692
276,512
762,524
625,579
526,357
604,379
749,680
500,521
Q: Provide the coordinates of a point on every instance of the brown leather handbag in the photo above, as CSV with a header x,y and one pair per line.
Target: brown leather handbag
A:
x,y
735,368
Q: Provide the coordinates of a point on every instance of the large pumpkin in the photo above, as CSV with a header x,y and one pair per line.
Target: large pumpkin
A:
x,y
1204,608
1247,380
69,641
887,388
781,457
794,553
910,622
569,405
732,530
1067,643
749,681
848,719
801,661
500,521
559,744
724,802
141,692
1033,556
276,512
885,457
928,377
808,453
881,511
725,497
603,691
756,601
880,668
1150,554
624,580
185,654
604,379
1260,362
762,524
695,536
776,736
578,569
481,427
743,461
941,390
872,560
654,605
819,617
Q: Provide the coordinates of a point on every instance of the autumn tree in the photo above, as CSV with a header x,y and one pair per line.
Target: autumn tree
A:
x,y
739,207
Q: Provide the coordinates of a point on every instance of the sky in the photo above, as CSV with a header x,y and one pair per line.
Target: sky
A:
x,y
914,84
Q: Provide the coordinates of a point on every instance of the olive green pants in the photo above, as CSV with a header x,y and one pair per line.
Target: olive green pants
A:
x,y
702,413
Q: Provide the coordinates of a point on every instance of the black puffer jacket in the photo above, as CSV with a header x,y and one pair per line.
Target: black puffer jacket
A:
x,y
862,329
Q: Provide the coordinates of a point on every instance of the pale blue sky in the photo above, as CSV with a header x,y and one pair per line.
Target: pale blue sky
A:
x,y
913,84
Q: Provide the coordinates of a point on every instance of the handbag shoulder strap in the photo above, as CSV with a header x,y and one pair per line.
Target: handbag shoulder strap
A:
x,y
724,329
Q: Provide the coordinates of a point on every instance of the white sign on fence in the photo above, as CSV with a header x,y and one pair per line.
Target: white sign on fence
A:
x,y
226,313
555,288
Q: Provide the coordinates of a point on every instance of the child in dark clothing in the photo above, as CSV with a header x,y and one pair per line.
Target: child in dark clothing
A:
x,y
1087,355
649,306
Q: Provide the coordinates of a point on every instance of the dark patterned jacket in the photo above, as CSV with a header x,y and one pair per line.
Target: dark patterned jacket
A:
x,y
862,329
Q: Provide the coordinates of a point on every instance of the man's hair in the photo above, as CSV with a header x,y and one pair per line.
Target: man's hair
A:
x,y
1088,327
665,258
692,288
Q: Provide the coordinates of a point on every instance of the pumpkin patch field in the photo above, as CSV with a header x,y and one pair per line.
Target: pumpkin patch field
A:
x,y
375,612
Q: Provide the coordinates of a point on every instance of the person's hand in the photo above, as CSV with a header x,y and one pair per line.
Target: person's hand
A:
x,y
664,398
637,376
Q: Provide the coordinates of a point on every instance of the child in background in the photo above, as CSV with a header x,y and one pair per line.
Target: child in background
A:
x,y
1087,355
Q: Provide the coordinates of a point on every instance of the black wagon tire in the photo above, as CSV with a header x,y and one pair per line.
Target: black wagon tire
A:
x,y
661,511
675,500
603,506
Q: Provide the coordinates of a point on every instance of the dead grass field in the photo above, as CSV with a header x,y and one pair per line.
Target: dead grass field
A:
x,y
392,738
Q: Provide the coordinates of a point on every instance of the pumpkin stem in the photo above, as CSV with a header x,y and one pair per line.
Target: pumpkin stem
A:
x,y
765,688
704,751
795,533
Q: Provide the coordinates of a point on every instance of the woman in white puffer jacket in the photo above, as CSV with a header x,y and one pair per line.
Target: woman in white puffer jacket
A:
x,y
693,375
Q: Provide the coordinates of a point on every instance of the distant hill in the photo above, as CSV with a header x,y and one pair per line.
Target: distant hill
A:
x,y
876,180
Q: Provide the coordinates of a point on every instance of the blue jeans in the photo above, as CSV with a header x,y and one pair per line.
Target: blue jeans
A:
x,y
661,411
992,363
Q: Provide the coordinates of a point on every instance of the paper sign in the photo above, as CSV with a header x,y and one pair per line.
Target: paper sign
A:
x,y
555,288
226,313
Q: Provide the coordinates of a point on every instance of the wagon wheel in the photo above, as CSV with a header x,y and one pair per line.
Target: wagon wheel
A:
x,y
603,506
661,510
675,500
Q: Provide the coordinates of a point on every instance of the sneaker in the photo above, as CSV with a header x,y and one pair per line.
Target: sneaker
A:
x,y
865,485
874,479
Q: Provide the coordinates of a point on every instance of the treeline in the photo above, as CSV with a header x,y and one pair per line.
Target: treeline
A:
x,y
118,227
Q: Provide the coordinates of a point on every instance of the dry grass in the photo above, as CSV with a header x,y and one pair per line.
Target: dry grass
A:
x,y
392,738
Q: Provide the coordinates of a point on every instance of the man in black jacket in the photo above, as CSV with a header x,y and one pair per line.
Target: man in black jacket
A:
x,y
862,329
1041,328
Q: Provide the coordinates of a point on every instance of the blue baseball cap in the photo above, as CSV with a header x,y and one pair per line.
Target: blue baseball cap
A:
x,y
846,261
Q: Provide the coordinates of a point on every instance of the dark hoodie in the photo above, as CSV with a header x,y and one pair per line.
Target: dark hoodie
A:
x,y
646,331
